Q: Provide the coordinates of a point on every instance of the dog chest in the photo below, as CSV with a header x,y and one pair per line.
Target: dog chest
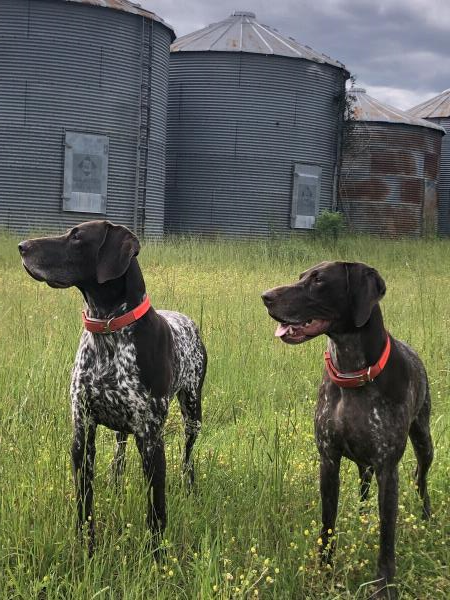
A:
x,y
106,378
361,424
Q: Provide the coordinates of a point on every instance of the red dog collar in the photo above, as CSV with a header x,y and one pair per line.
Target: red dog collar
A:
x,y
112,325
358,378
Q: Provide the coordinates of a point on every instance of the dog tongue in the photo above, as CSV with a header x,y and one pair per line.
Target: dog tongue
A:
x,y
281,329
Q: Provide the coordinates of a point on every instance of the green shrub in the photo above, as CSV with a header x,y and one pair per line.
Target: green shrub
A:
x,y
329,225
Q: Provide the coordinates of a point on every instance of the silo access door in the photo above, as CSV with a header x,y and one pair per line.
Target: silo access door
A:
x,y
305,195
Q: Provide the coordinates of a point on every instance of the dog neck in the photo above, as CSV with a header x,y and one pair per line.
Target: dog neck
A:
x,y
354,350
117,296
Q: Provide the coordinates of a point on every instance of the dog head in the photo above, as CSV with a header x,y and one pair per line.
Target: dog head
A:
x,y
330,297
90,253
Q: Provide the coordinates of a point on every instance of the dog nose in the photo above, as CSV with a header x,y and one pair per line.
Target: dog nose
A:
x,y
268,297
23,247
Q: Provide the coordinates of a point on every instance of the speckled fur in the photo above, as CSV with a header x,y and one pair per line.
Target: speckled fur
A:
x,y
106,379
126,379
369,425
107,389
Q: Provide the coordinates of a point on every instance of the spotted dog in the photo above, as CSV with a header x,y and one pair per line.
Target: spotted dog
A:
x,y
374,393
132,359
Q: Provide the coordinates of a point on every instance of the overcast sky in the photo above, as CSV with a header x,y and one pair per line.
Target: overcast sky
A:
x,y
399,50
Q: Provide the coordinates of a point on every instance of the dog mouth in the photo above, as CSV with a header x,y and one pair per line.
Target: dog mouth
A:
x,y
52,284
297,333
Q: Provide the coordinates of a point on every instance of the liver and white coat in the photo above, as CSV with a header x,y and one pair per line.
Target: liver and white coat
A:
x,y
125,379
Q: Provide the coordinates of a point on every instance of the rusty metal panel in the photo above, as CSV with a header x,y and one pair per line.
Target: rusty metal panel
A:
x,y
386,219
431,165
388,174
442,168
437,111
412,190
430,207
393,162
370,190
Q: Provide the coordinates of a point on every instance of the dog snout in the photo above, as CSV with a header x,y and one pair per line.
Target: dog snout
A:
x,y
268,297
23,247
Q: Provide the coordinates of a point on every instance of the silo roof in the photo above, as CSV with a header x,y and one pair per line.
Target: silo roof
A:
x,y
437,107
125,6
241,32
366,108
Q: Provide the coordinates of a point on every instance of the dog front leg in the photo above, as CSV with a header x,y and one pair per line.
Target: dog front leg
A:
x,y
154,465
83,459
388,504
329,491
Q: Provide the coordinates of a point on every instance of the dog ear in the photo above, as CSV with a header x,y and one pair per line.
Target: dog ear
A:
x,y
366,288
115,253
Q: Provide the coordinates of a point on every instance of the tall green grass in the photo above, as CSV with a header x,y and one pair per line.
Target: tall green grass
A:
x,y
251,527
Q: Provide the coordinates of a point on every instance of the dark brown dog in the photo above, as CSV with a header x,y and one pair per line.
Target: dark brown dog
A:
x,y
370,423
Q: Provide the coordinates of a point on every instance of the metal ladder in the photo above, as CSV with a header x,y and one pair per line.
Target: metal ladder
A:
x,y
143,133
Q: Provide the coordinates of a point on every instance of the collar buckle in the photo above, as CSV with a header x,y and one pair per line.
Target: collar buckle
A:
x,y
107,327
358,378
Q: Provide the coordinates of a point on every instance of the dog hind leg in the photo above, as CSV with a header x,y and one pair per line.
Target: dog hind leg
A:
x,y
191,409
365,477
118,462
419,434
151,449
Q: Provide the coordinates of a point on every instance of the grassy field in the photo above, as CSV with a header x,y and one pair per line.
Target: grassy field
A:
x,y
251,528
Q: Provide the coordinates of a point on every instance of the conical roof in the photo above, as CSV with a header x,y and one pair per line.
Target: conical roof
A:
x,y
437,107
241,32
366,108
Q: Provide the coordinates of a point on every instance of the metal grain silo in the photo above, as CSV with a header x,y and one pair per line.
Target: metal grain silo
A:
x,y
253,126
437,110
390,162
83,102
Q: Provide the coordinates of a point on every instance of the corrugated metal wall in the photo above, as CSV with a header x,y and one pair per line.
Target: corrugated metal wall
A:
x,y
444,178
159,85
237,123
66,66
388,180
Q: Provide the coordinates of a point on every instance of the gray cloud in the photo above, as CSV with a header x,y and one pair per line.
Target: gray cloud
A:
x,y
399,49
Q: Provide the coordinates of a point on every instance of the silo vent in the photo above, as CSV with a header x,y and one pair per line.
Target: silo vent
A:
x,y
244,13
